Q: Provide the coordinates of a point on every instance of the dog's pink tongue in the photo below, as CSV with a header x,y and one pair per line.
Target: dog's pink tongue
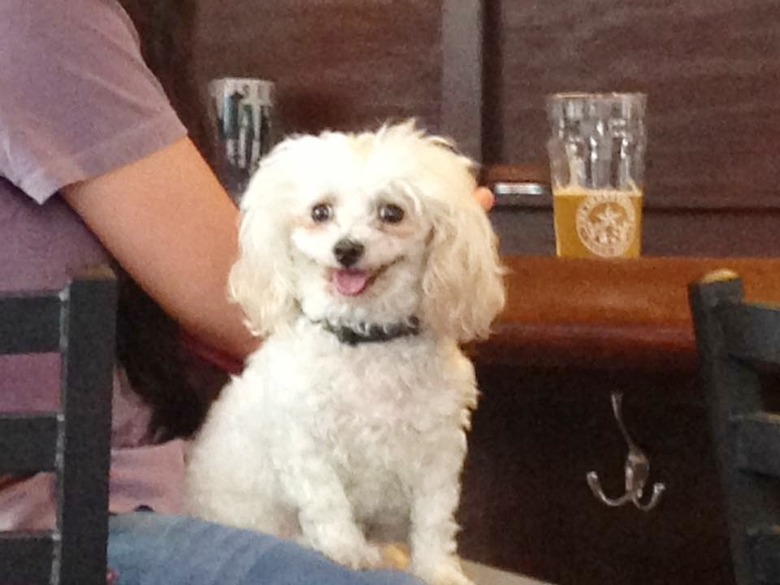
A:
x,y
350,283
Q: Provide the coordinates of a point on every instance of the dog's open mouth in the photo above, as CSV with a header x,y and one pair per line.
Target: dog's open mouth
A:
x,y
351,282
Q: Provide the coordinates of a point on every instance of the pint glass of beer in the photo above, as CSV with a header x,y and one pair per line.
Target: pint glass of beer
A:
x,y
596,149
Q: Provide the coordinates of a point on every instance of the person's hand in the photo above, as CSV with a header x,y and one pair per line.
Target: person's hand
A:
x,y
484,197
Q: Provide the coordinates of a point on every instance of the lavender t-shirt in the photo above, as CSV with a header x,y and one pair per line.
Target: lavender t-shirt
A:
x,y
76,101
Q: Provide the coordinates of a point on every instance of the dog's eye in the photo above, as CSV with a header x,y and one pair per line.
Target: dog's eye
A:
x,y
390,213
321,212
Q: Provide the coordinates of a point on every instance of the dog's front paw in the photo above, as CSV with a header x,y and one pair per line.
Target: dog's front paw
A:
x,y
361,557
445,573
350,550
395,556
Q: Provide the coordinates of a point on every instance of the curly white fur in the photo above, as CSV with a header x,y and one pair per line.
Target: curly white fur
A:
x,y
343,447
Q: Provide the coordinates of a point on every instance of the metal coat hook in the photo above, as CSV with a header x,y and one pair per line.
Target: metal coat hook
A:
x,y
637,470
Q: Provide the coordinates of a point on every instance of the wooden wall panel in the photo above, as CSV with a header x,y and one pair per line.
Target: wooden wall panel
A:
x,y
341,64
526,506
711,69
462,74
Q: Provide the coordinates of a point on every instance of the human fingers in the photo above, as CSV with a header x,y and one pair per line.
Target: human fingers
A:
x,y
485,198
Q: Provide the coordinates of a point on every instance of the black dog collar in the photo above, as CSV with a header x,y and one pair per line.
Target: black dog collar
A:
x,y
372,332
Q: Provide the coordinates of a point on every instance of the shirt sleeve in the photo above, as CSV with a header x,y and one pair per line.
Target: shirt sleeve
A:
x,y
76,98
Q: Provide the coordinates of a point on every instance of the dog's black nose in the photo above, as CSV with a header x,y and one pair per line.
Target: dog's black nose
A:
x,y
348,252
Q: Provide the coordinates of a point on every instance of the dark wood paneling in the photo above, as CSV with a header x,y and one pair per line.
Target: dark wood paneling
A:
x,y
526,505
340,64
711,70
462,74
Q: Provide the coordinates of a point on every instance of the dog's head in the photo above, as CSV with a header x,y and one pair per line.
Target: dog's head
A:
x,y
374,227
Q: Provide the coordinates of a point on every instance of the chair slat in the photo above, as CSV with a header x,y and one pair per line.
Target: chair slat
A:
x,y
764,551
29,324
757,439
82,488
28,442
735,339
751,332
21,555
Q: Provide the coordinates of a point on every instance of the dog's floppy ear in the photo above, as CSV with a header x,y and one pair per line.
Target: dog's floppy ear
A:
x,y
463,281
260,281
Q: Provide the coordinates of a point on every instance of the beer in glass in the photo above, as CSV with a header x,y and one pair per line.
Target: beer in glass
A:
x,y
596,150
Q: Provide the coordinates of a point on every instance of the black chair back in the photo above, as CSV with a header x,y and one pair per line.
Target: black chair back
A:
x,y
73,442
739,351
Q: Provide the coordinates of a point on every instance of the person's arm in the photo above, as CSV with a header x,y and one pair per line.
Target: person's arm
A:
x,y
171,225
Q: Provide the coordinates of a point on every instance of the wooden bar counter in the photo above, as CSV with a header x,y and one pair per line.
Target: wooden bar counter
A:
x,y
609,313
573,333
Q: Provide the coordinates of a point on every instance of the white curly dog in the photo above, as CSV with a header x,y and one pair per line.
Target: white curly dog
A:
x,y
365,261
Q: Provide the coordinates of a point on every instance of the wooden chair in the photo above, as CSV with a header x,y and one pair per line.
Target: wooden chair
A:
x,y
739,349
73,442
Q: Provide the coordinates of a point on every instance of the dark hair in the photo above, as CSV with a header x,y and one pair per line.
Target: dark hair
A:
x,y
177,385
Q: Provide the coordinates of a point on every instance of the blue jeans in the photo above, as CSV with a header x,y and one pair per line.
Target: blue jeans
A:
x,y
145,548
